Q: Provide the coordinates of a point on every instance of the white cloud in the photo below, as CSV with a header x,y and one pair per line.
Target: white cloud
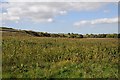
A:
x,y
7,16
63,12
63,0
97,21
44,11
50,20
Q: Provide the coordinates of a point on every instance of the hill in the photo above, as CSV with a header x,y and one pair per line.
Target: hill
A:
x,y
14,32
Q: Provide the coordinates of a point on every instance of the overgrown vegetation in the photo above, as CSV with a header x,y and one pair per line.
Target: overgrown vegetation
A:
x,y
24,56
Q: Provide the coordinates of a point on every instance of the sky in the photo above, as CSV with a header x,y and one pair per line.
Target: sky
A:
x,y
61,17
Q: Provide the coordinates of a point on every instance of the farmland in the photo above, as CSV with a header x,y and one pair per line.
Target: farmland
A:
x,y
46,57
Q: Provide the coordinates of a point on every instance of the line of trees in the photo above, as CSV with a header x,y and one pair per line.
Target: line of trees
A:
x,y
102,35
72,35
61,35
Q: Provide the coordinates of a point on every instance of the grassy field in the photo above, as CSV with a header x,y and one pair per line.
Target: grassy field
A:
x,y
35,57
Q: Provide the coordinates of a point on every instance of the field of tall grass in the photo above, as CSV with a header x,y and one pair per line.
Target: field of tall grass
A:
x,y
41,57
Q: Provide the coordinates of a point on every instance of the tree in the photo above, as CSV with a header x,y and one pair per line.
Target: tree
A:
x,y
33,33
79,36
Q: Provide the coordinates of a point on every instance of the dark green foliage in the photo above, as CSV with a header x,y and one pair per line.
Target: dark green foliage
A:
x,y
119,35
32,33
112,36
8,29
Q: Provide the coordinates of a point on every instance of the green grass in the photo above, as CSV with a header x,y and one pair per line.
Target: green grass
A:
x,y
34,57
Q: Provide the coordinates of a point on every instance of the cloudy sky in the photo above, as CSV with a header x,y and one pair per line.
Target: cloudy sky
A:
x,y
61,17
